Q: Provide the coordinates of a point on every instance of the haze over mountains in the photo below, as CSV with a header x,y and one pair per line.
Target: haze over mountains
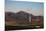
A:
x,y
29,11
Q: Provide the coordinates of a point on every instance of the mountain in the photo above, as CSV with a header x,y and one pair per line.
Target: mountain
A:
x,y
21,16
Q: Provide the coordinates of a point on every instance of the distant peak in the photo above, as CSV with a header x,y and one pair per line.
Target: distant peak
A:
x,y
21,12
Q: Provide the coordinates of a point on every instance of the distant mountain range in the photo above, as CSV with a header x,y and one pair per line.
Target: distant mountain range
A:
x,y
21,16
18,16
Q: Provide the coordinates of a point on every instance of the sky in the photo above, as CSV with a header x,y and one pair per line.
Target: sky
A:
x,y
35,8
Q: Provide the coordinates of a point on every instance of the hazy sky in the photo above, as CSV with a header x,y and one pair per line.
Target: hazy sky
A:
x,y
35,8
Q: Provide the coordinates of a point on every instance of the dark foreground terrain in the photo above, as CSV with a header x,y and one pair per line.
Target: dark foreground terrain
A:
x,y
21,27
